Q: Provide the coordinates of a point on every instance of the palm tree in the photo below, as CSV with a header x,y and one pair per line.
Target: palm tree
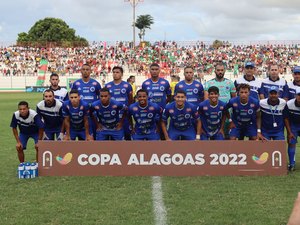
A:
x,y
143,22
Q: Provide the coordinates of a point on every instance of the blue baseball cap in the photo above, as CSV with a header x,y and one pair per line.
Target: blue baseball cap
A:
x,y
296,69
249,64
273,88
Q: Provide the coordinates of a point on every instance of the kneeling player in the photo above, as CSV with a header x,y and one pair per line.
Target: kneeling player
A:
x,y
75,112
212,114
182,114
146,116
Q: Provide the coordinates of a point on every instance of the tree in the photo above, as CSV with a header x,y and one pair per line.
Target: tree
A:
x,y
143,22
51,30
217,44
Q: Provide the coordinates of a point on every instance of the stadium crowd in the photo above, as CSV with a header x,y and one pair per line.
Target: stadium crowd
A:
x,y
18,61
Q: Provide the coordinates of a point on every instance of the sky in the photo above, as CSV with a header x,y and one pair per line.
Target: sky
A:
x,y
179,20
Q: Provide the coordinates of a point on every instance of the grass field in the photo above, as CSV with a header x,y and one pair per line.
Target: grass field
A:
x,y
128,200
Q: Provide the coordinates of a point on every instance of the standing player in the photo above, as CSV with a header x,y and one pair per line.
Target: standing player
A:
x,y
121,91
50,110
193,89
274,115
249,79
294,121
30,126
60,93
226,87
75,112
146,116
212,115
107,110
295,84
274,80
88,89
159,90
182,114
245,114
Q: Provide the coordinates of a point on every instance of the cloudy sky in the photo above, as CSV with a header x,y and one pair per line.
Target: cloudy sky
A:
x,y
207,20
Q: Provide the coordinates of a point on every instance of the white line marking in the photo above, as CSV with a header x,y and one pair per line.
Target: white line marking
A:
x,y
160,212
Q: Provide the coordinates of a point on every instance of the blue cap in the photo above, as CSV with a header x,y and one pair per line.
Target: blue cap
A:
x,y
296,69
274,88
249,64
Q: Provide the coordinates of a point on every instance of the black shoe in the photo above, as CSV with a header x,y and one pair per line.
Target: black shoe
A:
x,y
292,168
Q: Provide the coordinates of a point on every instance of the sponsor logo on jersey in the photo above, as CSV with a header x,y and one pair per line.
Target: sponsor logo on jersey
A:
x,y
189,110
235,104
151,108
108,86
94,83
205,108
135,108
221,107
114,106
252,105
180,86
77,83
162,82
197,85
171,110
125,85
147,83
97,107
81,107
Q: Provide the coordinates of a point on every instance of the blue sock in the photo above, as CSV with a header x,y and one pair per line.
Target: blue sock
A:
x,y
291,153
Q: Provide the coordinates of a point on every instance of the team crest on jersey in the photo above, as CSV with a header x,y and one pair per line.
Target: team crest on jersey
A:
x,y
135,108
151,108
123,90
94,83
187,116
108,86
150,115
205,108
188,109
162,88
235,104
250,111
195,91
162,82
113,112
227,88
80,113
92,89
171,111
114,106
147,83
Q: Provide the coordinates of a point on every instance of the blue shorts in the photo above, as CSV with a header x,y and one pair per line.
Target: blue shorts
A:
x,y
24,139
51,135
296,132
147,137
188,134
275,137
116,135
244,131
80,134
217,136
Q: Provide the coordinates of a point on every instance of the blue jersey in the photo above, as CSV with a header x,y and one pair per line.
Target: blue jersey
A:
x,y
272,117
60,94
293,113
180,119
254,84
292,87
27,125
145,118
194,91
76,114
52,116
120,92
280,83
108,116
157,91
211,116
88,91
243,114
